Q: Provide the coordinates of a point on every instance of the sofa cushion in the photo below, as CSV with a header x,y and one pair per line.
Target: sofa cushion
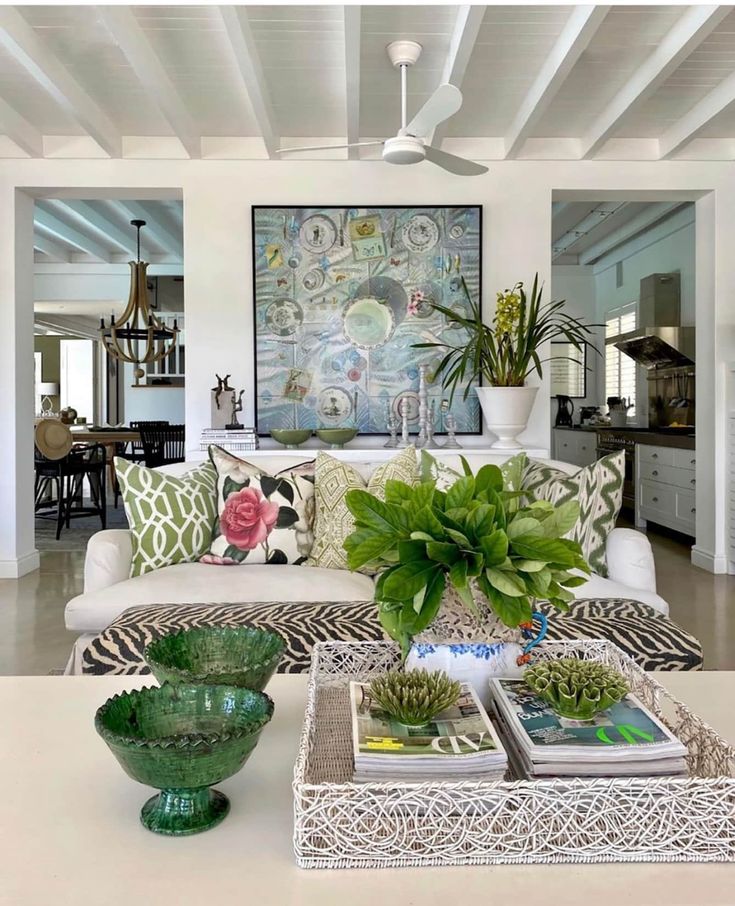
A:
x,y
170,518
334,521
197,583
261,518
598,488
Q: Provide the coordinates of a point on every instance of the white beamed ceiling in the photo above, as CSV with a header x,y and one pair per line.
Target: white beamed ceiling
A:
x,y
284,76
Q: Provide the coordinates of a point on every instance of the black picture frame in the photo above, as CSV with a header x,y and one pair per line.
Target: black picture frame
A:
x,y
254,209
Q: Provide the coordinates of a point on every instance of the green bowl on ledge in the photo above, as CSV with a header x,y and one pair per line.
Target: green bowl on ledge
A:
x,y
291,438
243,656
180,740
336,437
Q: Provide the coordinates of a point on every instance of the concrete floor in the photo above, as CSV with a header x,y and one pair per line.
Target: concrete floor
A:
x,y
33,639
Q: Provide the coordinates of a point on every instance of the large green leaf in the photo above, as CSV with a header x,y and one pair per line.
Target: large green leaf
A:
x,y
529,566
494,547
524,525
489,477
481,520
443,552
410,551
422,495
405,581
424,520
562,520
458,574
397,491
475,563
459,538
431,603
509,584
511,611
368,510
367,551
461,492
548,549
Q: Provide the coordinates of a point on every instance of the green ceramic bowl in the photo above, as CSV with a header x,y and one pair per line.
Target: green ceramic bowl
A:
x,y
241,656
291,438
336,437
180,740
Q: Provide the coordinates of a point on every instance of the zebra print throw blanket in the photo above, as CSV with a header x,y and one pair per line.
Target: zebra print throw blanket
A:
x,y
652,640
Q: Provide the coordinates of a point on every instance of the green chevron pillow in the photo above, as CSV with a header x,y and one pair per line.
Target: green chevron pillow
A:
x,y
170,517
599,490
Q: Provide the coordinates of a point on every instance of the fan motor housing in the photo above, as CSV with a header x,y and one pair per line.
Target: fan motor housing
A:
x,y
403,149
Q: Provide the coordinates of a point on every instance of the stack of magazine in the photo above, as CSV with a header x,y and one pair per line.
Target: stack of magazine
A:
x,y
626,740
459,744
229,439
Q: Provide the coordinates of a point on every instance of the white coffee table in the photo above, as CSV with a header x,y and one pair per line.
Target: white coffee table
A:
x,y
69,829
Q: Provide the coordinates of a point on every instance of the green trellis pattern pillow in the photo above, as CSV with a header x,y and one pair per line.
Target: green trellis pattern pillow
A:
x,y
599,490
334,521
170,517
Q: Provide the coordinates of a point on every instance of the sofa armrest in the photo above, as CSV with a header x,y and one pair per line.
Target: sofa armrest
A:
x,y
109,555
630,559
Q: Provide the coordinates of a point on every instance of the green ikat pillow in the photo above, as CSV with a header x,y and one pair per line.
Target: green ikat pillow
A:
x,y
170,517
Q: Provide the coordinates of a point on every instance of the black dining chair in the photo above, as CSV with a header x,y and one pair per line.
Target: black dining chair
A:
x,y
132,450
59,485
162,444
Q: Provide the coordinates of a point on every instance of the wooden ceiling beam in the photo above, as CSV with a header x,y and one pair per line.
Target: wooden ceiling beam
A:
x,y
689,126
643,221
125,239
123,25
693,26
67,233
51,248
352,30
159,232
19,130
247,58
462,43
27,49
580,28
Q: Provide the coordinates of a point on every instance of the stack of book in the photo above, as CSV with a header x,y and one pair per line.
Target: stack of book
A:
x,y
236,439
626,740
459,744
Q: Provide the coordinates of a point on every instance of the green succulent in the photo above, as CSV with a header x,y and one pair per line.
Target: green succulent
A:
x,y
576,689
476,536
414,697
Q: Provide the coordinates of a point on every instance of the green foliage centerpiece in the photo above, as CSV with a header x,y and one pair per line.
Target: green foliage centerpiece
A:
x,y
577,689
476,544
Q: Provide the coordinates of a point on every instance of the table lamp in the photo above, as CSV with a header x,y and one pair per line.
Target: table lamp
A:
x,y
47,389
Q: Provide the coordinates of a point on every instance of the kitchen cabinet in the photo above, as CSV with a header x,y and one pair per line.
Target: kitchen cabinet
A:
x,y
666,487
577,447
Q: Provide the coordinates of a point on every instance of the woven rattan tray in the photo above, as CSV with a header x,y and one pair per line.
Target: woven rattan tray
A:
x,y
340,824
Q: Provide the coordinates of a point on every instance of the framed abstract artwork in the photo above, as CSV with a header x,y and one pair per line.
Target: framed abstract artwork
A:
x,y
342,295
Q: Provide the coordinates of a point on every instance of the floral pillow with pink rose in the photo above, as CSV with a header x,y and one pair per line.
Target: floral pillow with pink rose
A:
x,y
261,518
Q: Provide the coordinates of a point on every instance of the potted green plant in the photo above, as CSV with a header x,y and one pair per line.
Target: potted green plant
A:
x,y
504,354
476,548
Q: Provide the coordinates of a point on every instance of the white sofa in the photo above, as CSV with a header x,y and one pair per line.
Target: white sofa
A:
x,y
108,590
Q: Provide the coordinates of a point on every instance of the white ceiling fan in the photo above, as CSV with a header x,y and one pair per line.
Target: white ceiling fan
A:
x,y
409,147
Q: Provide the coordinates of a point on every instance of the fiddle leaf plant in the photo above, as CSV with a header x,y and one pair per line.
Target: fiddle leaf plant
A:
x,y
477,536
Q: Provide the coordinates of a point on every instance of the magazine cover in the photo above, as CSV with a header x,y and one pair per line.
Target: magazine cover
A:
x,y
624,730
463,730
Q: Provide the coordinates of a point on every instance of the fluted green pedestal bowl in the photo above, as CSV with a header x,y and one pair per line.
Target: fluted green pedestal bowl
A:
x,y
181,739
240,656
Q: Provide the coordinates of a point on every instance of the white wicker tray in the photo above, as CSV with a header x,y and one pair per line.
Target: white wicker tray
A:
x,y
340,824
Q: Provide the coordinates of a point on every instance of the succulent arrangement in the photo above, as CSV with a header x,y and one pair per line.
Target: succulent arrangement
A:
x,y
576,689
478,538
414,697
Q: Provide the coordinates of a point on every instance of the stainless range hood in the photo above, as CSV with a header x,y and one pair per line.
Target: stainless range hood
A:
x,y
659,347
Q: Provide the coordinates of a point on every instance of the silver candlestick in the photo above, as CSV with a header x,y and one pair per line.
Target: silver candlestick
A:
x,y
391,424
450,423
430,422
403,412
421,439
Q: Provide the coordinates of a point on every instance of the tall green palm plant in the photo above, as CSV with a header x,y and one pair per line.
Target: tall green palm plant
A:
x,y
506,352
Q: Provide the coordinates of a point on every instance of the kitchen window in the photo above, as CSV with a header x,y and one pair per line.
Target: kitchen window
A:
x,y
620,369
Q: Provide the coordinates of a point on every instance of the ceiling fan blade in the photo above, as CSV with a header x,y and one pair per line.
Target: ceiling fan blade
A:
x,y
328,147
459,165
444,102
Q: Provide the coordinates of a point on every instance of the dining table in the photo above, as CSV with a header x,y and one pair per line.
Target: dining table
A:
x,y
109,438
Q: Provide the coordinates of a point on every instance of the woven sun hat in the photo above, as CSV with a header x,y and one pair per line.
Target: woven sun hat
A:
x,y
53,438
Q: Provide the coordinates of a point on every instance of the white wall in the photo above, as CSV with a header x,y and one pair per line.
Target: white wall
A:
x,y
576,285
153,403
217,196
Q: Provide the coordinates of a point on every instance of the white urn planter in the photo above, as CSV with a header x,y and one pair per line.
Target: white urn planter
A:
x,y
506,411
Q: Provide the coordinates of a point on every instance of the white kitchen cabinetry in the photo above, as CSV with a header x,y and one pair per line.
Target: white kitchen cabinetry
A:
x,y
577,447
666,487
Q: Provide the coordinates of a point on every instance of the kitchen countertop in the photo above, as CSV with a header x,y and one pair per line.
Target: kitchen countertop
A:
x,y
644,436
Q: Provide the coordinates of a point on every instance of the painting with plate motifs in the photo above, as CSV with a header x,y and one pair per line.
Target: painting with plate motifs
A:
x,y
341,297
